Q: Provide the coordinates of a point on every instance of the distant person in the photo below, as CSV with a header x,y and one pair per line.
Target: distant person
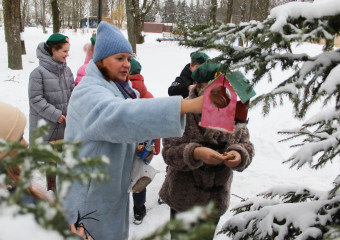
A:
x,y
198,171
49,90
184,82
88,49
137,81
106,115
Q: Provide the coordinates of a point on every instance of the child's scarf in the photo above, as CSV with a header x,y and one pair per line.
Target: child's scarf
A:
x,y
125,89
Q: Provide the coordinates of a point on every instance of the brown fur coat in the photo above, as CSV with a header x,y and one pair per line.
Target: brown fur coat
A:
x,y
189,182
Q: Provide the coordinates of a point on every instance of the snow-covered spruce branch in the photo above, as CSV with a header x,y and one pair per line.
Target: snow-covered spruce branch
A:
x,y
324,138
45,158
188,225
258,48
266,217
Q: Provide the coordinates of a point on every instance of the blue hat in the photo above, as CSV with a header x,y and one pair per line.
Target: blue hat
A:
x,y
110,41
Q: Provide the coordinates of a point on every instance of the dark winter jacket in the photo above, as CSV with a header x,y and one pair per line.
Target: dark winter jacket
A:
x,y
181,83
49,91
189,182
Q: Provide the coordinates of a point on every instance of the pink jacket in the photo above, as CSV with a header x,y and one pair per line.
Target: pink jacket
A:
x,y
81,71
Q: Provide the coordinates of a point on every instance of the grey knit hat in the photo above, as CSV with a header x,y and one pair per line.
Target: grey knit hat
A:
x,y
110,41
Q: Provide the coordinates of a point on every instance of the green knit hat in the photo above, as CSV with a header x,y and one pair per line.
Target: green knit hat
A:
x,y
135,67
56,38
199,57
205,72
93,40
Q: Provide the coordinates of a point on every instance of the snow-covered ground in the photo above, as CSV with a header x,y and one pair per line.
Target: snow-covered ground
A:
x,y
161,63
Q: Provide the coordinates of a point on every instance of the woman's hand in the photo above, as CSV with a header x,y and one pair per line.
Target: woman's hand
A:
x,y
208,155
192,105
61,119
234,160
80,232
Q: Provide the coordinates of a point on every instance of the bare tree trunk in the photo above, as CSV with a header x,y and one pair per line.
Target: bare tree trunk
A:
x,y
43,18
137,29
243,11
130,23
74,14
140,15
23,15
11,10
22,28
251,10
229,11
36,13
55,16
213,10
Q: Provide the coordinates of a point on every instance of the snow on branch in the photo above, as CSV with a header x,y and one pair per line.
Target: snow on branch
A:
x,y
294,10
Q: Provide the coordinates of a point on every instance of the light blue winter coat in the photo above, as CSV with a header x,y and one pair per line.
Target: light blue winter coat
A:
x,y
108,124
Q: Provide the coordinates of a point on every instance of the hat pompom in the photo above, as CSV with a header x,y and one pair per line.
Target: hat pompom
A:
x,y
93,40
87,49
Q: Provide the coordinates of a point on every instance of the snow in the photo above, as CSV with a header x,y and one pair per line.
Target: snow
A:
x,y
161,63
303,9
332,80
26,226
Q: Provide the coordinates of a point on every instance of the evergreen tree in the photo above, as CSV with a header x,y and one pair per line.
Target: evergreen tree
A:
x,y
182,12
190,225
42,158
169,12
288,212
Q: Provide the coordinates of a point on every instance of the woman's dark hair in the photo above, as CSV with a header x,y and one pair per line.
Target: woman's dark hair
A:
x,y
55,46
103,70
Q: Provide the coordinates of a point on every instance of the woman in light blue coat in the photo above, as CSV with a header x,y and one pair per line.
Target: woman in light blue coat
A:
x,y
108,117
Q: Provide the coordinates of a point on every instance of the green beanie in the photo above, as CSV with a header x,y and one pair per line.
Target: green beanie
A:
x,y
199,57
56,38
135,67
205,72
93,40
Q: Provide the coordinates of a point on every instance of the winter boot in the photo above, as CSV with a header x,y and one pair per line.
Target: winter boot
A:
x,y
139,218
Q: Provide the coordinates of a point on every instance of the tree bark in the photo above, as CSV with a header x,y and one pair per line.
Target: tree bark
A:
x,y
43,18
229,11
55,16
11,10
251,10
24,14
213,11
36,12
137,30
74,14
140,25
22,28
130,24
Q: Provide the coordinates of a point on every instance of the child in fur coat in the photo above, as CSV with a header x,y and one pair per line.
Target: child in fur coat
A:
x,y
196,174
